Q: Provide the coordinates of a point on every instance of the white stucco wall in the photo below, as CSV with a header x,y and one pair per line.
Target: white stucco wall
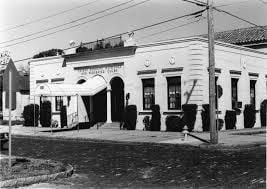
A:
x,y
189,54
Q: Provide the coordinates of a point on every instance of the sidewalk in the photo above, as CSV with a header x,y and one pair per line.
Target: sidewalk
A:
x,y
230,138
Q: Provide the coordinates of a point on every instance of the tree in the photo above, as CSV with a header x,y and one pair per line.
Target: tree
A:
x,y
51,52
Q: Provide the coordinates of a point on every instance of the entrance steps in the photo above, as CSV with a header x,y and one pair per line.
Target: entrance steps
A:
x,y
111,126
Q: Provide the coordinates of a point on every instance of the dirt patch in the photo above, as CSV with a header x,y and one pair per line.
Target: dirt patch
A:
x,y
22,168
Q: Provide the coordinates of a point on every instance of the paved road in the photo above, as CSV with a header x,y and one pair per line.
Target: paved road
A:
x,y
132,165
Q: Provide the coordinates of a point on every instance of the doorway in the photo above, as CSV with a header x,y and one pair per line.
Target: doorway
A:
x,y
117,98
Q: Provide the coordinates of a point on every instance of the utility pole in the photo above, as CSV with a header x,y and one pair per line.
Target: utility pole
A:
x,y
213,129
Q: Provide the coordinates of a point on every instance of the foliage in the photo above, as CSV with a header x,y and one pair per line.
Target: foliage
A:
x,y
130,117
99,45
45,114
81,49
63,116
219,123
155,119
263,110
108,45
189,117
249,116
230,119
205,115
147,122
51,52
174,123
28,115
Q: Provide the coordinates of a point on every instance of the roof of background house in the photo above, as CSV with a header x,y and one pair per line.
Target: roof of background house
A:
x,y
242,36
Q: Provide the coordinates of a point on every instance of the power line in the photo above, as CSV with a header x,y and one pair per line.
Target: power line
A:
x,y
138,29
73,21
44,18
191,14
264,2
220,10
173,28
200,3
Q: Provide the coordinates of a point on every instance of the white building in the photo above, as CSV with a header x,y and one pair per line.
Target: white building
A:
x,y
153,73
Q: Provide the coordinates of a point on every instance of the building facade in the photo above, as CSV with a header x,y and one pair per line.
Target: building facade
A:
x,y
168,73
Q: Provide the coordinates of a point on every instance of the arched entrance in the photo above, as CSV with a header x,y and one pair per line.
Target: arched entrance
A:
x,y
117,98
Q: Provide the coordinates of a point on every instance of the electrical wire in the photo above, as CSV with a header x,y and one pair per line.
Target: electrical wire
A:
x,y
200,3
44,18
228,13
170,29
138,29
71,22
97,18
145,27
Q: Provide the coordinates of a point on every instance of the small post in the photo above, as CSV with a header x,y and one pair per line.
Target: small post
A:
x,y
10,106
185,132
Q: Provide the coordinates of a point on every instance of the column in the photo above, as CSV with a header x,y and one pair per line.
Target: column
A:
x,y
109,104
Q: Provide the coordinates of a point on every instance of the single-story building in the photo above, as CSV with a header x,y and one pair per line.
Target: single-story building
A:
x,y
20,97
168,73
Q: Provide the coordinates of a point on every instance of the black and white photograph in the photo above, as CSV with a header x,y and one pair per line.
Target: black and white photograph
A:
x,y
133,94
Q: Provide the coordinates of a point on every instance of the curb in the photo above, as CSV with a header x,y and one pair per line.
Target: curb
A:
x,y
36,179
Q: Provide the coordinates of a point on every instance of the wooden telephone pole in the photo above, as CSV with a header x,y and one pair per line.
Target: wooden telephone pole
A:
x,y
213,129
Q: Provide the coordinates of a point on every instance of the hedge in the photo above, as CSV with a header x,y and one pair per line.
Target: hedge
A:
x,y
205,115
189,117
230,119
130,117
249,116
147,123
155,120
174,124
63,116
263,110
45,114
28,115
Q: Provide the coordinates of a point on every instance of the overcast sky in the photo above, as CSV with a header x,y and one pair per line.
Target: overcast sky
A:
x,y
16,12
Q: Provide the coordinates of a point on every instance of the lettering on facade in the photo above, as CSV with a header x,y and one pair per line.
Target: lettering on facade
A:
x,y
100,69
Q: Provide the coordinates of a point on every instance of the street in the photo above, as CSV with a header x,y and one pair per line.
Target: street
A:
x,y
137,165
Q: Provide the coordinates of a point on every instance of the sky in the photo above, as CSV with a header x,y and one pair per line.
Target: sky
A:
x,y
18,12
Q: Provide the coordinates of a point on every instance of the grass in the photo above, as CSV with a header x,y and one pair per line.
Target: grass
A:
x,y
22,168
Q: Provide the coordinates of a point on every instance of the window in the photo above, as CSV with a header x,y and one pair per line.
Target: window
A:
x,y
59,102
234,82
148,93
174,93
252,92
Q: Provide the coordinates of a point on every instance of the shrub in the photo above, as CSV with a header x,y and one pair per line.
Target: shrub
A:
x,y
249,116
230,119
205,116
147,123
155,119
174,123
28,115
190,113
45,114
219,123
63,116
263,110
130,117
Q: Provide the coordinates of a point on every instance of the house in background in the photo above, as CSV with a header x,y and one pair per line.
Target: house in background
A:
x,y
20,98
